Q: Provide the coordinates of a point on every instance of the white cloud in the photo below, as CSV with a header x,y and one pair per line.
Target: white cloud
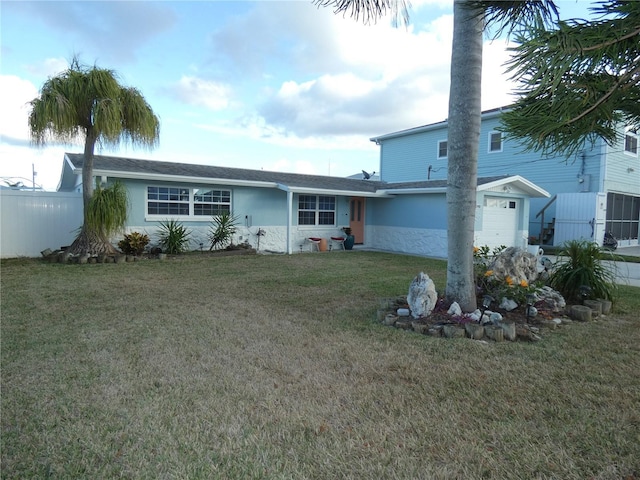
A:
x,y
15,93
197,91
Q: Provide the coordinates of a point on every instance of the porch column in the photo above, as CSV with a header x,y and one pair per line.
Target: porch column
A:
x,y
289,219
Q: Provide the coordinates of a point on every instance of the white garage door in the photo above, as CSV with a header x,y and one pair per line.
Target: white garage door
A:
x,y
499,222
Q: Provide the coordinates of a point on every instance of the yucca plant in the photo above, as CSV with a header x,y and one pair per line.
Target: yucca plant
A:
x,y
223,227
174,237
581,264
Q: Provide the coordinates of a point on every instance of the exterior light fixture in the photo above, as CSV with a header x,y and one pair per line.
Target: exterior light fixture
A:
x,y
486,303
530,311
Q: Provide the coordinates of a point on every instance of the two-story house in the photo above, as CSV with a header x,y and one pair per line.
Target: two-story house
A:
x,y
596,190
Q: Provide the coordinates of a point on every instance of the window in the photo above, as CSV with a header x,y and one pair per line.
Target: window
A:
x,y
631,143
187,202
316,210
495,142
167,201
211,202
442,149
623,212
494,202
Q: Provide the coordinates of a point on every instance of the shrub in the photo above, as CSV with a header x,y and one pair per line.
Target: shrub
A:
x,y
223,227
581,265
133,243
174,237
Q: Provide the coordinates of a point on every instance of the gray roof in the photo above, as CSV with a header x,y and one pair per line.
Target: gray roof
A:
x,y
123,165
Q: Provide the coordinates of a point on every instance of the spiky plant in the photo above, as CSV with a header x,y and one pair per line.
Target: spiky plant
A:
x,y
581,264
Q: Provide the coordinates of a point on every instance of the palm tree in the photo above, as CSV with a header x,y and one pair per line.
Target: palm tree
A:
x,y
579,80
89,102
471,19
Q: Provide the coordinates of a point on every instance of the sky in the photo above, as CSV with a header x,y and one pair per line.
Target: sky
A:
x,y
273,85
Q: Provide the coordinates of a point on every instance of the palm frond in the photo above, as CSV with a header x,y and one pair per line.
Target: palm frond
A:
x,y
370,10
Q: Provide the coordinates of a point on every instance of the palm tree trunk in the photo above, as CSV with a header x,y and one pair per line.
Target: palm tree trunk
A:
x,y
89,241
87,167
463,137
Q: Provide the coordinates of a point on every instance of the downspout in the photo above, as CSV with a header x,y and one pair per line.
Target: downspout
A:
x,y
603,166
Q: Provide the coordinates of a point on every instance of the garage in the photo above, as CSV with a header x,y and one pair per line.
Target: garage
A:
x,y
499,222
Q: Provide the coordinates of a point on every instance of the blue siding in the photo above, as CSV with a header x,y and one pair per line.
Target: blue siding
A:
x,y
408,157
409,211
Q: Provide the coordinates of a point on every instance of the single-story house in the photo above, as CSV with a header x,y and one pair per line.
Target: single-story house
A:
x,y
281,211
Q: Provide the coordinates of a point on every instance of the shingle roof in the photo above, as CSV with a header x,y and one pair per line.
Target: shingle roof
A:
x,y
173,169
321,182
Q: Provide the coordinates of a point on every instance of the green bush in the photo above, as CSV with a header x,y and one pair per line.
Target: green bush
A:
x,y
223,227
134,243
174,237
580,265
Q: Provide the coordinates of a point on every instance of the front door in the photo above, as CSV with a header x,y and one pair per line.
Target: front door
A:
x,y
356,219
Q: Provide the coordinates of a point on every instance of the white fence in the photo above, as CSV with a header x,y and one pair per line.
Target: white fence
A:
x,y
33,221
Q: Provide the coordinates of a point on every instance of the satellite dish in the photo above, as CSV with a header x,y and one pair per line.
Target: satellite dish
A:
x,y
366,175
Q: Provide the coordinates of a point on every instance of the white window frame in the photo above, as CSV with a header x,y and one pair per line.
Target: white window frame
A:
x,y
490,142
438,150
189,202
317,211
630,135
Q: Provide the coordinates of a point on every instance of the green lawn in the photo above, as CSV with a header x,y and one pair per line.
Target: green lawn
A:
x,y
274,367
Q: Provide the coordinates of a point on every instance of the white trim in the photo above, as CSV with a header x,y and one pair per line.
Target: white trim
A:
x,y
491,133
191,203
438,156
519,182
628,133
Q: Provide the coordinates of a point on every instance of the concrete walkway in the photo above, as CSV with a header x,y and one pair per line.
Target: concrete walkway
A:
x,y
627,273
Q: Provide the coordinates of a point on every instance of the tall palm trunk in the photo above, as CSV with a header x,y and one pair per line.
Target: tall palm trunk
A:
x,y
463,137
88,240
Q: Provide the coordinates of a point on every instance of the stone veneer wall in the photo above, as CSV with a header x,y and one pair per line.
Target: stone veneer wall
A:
x,y
274,239
414,241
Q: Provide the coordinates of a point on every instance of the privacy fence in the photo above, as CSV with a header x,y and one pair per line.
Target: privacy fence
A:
x,y
33,221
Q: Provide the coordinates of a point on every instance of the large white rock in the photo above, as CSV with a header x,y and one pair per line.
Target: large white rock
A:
x,y
422,296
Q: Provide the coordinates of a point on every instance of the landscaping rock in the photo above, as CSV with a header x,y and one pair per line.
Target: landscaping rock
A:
x,y
551,298
508,304
454,309
494,333
474,331
516,263
595,306
508,330
453,331
422,296
580,313
606,306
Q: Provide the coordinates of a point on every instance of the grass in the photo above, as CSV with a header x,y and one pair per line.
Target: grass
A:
x,y
273,367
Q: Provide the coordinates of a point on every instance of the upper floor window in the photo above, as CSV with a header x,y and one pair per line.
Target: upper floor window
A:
x,y
187,202
316,210
442,149
495,142
631,143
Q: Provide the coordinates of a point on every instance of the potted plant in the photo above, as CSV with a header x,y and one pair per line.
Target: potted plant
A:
x,y
350,240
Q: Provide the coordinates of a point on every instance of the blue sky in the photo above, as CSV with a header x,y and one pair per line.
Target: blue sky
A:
x,y
269,85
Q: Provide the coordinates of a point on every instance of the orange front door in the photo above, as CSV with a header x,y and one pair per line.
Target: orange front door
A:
x,y
356,219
